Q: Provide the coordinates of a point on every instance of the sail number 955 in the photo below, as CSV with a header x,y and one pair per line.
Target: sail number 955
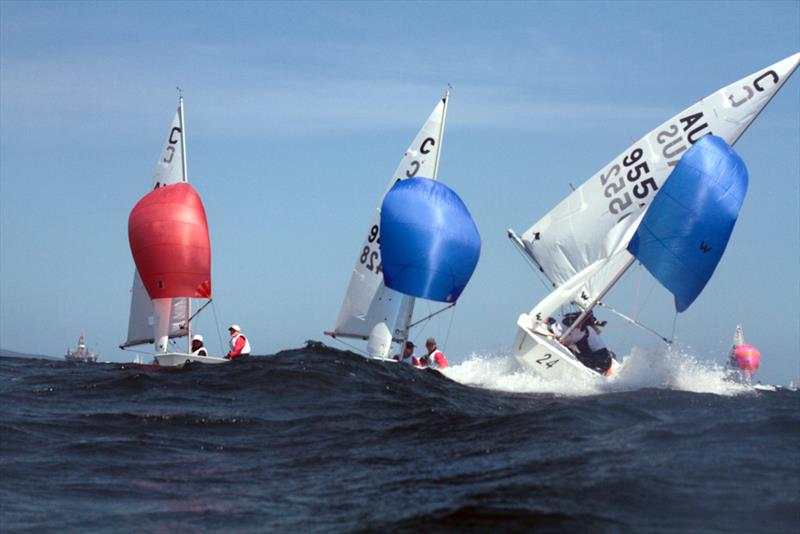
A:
x,y
371,255
618,187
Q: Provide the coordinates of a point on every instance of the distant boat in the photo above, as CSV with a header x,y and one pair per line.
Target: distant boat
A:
x,y
81,354
623,213
168,234
372,311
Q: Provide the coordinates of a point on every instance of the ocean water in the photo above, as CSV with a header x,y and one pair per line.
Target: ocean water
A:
x,y
318,439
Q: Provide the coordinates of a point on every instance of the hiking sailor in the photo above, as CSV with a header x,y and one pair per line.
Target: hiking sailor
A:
x,y
240,346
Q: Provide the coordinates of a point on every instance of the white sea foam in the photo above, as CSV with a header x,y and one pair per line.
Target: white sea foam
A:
x,y
672,368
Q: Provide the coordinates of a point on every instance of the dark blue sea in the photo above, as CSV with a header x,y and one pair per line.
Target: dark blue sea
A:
x,y
317,439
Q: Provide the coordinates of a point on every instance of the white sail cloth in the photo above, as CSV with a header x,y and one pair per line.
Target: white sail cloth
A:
x,y
592,226
371,310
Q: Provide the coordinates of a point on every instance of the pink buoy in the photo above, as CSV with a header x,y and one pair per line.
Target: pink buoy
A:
x,y
748,358
744,357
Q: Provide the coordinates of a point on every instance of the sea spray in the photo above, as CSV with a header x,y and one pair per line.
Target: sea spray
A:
x,y
668,368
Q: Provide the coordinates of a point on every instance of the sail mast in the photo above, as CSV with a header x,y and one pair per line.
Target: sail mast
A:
x,y
412,300
596,300
184,173
446,99
185,178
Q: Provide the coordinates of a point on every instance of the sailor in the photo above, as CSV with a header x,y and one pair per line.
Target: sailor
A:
x,y
408,355
601,358
575,337
592,352
240,347
554,327
434,359
198,349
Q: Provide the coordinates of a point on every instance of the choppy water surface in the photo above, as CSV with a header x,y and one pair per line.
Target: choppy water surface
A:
x,y
319,439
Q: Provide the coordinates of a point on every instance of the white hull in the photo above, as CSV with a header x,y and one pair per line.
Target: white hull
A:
x,y
178,359
547,358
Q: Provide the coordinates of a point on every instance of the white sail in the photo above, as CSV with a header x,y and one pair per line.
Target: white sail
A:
x,y
592,226
170,169
370,309
738,336
142,319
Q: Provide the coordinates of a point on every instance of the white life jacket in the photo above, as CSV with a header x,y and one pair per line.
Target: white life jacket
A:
x,y
411,360
200,352
245,349
595,341
436,360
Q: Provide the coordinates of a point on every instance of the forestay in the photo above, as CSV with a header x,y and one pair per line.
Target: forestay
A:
x,y
581,244
685,231
369,305
170,169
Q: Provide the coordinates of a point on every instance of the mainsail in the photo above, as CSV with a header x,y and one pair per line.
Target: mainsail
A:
x,y
581,245
170,169
370,310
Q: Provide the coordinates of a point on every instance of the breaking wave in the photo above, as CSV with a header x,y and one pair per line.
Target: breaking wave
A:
x,y
671,368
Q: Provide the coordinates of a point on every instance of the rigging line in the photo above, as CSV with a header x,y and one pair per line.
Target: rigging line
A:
x,y
539,275
356,349
447,336
430,315
674,323
216,321
638,291
636,323
201,308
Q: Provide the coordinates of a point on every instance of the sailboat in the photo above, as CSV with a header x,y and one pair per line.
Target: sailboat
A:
x,y
586,243
373,311
168,234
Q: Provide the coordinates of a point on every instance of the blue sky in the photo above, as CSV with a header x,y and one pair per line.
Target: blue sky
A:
x,y
296,115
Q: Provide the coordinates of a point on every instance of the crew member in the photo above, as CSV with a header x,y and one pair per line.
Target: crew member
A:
x,y
408,355
240,347
576,335
434,359
554,327
600,357
588,346
198,349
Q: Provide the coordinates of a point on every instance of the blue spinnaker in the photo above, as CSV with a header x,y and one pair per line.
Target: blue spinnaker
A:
x,y
686,229
429,243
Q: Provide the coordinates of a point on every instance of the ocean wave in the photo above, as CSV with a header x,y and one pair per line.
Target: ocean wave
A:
x,y
670,368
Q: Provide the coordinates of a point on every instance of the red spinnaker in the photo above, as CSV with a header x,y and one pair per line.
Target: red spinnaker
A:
x,y
168,234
